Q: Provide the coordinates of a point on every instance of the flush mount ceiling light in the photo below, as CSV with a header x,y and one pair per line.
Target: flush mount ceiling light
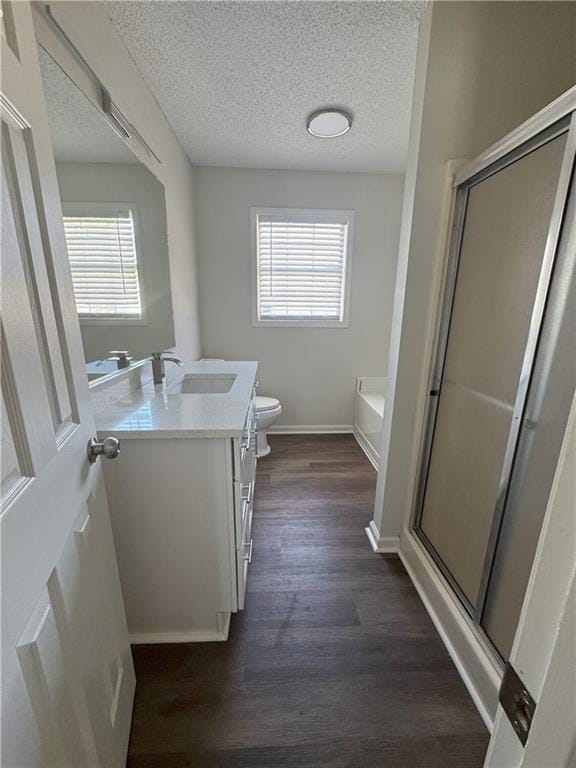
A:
x,y
329,123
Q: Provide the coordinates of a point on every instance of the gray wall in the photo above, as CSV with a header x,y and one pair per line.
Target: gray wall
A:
x,y
311,370
489,67
128,183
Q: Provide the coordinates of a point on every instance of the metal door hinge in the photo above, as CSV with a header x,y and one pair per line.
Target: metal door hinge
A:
x,y
517,702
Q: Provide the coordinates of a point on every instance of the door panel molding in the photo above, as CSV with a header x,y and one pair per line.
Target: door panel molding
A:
x,y
16,160
20,348
13,432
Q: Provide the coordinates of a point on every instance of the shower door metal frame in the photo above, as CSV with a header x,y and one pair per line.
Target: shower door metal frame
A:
x,y
555,120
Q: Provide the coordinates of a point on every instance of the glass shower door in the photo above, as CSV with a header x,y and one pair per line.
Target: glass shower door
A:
x,y
488,319
543,426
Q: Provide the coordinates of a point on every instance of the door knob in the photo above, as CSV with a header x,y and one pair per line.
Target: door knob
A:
x,y
109,448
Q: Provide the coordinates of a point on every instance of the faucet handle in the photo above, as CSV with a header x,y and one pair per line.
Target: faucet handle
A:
x,y
160,356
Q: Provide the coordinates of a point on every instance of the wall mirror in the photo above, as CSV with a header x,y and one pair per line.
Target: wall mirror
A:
x,y
115,225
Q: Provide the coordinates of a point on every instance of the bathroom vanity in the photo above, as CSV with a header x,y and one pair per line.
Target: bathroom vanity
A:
x,y
181,497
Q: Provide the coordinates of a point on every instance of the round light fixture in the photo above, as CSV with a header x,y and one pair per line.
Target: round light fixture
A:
x,y
329,123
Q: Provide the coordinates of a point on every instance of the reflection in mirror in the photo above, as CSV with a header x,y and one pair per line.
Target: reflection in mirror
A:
x,y
115,226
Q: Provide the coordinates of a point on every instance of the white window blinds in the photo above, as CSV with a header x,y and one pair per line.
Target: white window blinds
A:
x,y
301,265
104,263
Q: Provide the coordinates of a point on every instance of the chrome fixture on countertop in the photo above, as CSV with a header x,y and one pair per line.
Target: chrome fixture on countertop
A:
x,y
158,370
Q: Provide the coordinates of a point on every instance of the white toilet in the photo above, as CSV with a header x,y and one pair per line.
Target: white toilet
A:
x,y
267,411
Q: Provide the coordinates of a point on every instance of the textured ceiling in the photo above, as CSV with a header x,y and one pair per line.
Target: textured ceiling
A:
x,y
79,133
236,80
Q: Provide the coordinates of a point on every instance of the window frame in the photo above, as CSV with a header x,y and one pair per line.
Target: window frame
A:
x,y
114,208
257,322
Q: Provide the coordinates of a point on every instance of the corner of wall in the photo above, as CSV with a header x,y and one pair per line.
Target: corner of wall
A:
x,y
387,521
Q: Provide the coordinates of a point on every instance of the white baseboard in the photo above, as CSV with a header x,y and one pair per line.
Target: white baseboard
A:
x,y
473,659
193,636
367,448
311,429
381,544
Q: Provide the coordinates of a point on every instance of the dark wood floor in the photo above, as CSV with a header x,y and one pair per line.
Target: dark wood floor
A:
x,y
334,662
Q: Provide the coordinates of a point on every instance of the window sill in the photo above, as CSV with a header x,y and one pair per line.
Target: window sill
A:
x,y
112,321
300,324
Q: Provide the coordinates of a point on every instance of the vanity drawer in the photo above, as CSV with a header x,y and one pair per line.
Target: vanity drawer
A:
x,y
247,453
244,557
249,424
248,464
244,500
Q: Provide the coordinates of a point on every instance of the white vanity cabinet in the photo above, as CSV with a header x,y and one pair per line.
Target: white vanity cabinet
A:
x,y
181,510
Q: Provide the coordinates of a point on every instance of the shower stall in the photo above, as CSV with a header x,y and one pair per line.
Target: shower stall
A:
x,y
505,371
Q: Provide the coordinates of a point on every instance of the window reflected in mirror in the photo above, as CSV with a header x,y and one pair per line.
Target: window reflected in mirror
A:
x,y
104,261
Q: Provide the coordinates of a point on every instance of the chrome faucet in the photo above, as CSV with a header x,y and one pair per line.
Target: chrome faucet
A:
x,y
158,371
121,357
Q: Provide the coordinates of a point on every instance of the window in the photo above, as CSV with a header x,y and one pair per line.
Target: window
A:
x,y
301,265
103,258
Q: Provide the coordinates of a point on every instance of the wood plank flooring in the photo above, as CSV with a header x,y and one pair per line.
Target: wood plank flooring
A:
x,y
334,662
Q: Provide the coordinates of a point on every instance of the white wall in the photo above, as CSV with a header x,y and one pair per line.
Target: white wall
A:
x,y
88,26
311,370
485,68
128,183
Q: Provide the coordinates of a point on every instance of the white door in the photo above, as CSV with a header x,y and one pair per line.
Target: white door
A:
x,y
67,674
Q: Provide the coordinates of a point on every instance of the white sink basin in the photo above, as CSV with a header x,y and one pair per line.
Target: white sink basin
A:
x,y
205,384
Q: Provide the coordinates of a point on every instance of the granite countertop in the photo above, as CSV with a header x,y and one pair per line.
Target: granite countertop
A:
x,y
157,411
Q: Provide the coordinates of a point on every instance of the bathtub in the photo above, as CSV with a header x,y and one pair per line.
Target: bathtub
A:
x,y
368,415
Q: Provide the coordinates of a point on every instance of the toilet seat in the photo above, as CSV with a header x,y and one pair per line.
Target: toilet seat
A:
x,y
266,403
